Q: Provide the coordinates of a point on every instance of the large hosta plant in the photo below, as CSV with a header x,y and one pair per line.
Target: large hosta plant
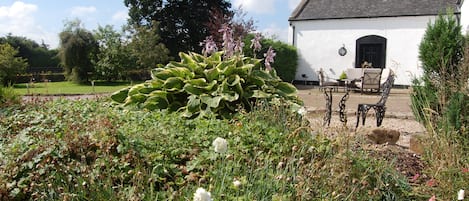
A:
x,y
202,85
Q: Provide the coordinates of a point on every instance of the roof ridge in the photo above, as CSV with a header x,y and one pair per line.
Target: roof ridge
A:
x,y
299,9
346,9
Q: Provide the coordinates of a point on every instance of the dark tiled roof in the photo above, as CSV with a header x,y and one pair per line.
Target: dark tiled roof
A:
x,y
339,9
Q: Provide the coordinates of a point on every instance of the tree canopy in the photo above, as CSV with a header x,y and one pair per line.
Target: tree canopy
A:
x,y
183,23
38,55
114,56
146,47
10,64
77,46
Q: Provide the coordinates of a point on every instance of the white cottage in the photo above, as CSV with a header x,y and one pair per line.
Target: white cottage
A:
x,y
339,34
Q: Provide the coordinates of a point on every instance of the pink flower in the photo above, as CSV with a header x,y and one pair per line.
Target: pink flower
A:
x,y
228,42
209,46
238,48
255,43
431,183
433,198
465,170
414,178
269,58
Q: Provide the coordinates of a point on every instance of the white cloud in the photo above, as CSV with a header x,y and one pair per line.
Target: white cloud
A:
x,y
276,32
120,16
292,4
18,19
82,11
17,10
256,6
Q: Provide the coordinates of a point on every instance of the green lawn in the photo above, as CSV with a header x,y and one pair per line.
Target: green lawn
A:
x,y
52,88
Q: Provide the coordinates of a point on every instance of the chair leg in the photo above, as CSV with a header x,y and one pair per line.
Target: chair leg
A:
x,y
380,111
358,115
364,116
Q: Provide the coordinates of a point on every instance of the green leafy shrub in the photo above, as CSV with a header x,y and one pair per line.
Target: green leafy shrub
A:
x,y
10,64
8,97
201,85
286,60
441,52
87,150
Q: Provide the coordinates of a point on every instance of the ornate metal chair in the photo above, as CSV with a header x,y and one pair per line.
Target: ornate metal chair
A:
x,y
380,106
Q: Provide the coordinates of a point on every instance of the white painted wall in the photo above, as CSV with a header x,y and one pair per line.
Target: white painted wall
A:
x,y
465,17
318,42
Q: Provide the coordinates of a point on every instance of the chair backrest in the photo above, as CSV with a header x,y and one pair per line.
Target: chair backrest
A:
x,y
371,79
387,86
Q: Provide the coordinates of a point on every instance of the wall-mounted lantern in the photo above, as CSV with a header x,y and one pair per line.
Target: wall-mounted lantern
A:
x,y
342,50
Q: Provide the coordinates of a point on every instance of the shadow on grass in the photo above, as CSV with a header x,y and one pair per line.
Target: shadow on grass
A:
x,y
25,86
111,83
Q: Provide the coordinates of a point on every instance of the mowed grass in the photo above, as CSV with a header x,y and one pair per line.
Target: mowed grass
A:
x,y
55,88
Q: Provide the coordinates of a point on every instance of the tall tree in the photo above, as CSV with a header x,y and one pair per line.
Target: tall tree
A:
x,y
183,23
10,64
114,55
77,46
146,47
37,55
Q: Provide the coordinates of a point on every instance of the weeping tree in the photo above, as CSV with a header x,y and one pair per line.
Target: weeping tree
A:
x,y
77,47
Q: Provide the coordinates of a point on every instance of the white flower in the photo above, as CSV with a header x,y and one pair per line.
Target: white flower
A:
x,y
202,195
220,144
302,111
236,183
461,194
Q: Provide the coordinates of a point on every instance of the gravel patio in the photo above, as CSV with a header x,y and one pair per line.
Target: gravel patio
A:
x,y
398,115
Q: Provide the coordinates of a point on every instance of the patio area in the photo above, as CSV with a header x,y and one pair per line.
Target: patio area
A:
x,y
398,115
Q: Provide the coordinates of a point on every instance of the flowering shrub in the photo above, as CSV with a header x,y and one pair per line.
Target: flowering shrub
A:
x,y
202,85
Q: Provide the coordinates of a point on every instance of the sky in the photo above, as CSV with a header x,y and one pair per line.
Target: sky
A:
x,y
43,20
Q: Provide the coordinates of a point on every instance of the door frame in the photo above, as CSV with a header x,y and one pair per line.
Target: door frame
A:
x,y
371,40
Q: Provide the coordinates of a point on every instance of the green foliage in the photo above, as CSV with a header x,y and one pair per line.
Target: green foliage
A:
x,y
343,76
444,76
441,51
146,48
200,85
10,65
77,47
37,55
183,24
87,150
286,59
114,56
8,97
440,100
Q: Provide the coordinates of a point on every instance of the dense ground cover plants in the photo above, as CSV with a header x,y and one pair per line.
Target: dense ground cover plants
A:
x,y
90,150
